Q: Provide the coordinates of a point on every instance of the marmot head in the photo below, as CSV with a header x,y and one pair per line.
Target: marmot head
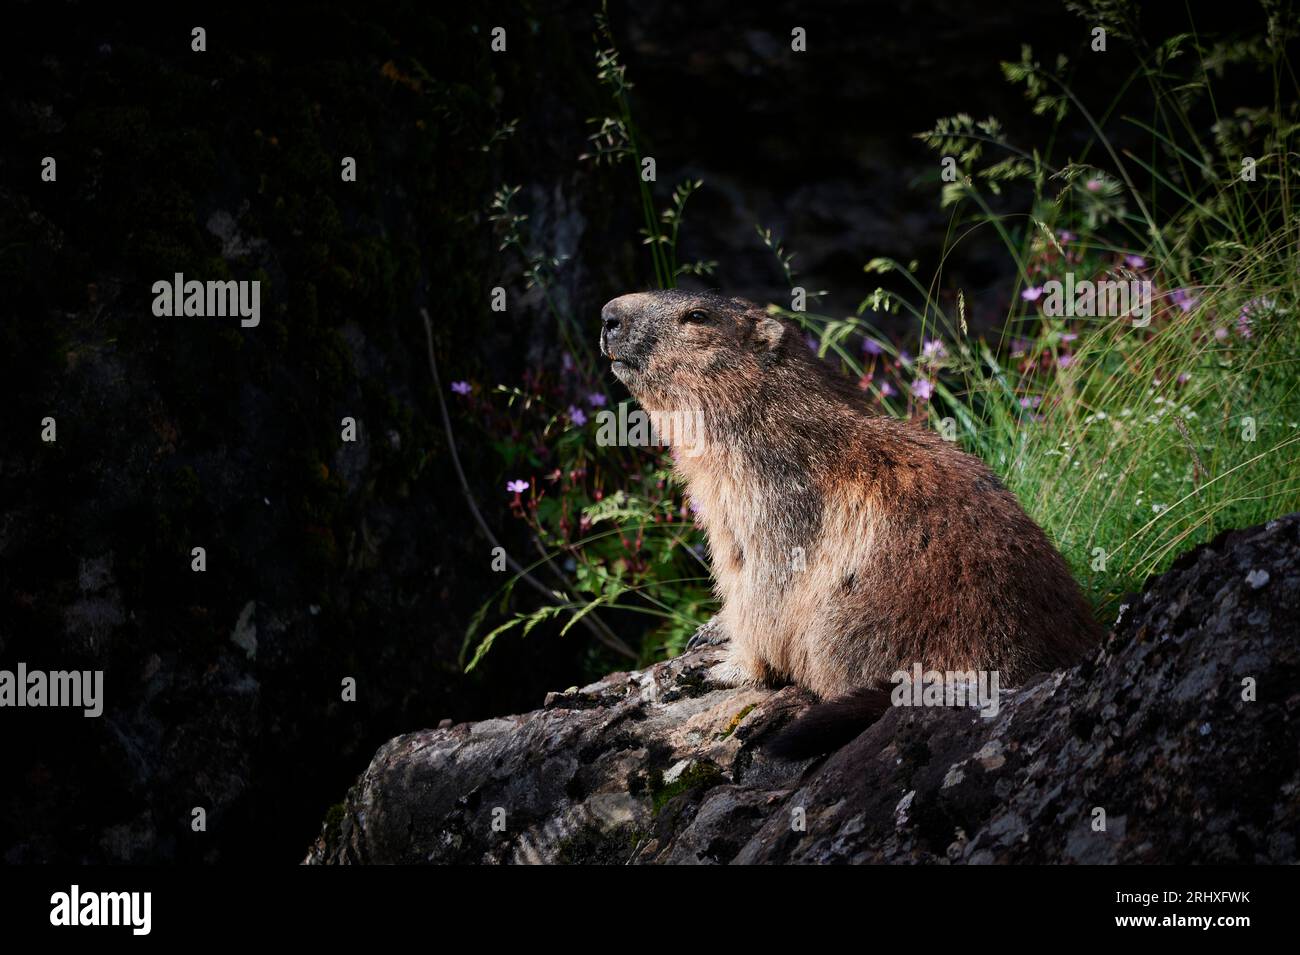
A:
x,y
688,350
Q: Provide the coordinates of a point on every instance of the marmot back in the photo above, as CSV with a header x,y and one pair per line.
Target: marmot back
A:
x,y
845,546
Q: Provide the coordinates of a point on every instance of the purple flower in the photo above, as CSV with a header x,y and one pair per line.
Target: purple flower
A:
x,y
1244,316
576,416
1065,361
517,487
1093,185
1256,303
596,399
1183,299
1184,378
1021,346
1221,334
922,389
1260,302
1065,235
871,346
566,363
811,342
1068,336
1135,262
1031,401
933,349
887,390
1032,294
460,387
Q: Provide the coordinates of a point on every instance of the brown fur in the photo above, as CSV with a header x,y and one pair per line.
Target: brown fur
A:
x,y
912,550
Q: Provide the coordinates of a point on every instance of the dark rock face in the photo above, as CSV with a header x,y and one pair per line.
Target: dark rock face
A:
x,y
326,559
1183,730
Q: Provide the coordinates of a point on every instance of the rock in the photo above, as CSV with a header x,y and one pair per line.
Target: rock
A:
x,y
1175,743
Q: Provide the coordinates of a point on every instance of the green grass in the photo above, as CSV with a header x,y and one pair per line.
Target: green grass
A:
x,y
1153,440
1129,468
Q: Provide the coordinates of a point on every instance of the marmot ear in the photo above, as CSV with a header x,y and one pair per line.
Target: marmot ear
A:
x,y
768,332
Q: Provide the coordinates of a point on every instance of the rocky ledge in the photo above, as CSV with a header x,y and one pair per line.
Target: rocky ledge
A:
x,y
1178,741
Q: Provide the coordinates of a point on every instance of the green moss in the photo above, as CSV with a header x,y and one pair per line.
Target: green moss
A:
x,y
738,719
700,775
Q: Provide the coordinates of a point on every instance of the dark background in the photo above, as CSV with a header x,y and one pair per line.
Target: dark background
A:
x,y
361,560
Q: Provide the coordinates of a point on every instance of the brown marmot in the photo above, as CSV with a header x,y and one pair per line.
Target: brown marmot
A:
x,y
845,546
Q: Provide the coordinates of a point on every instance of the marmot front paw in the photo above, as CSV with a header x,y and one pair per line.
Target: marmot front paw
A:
x,y
709,635
741,668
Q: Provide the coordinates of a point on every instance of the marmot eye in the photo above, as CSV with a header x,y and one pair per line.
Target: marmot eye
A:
x,y
695,315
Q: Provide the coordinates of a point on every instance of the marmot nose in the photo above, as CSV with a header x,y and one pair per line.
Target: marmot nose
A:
x,y
614,320
612,316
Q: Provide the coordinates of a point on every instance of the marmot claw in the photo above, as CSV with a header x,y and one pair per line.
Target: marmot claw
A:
x,y
708,635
